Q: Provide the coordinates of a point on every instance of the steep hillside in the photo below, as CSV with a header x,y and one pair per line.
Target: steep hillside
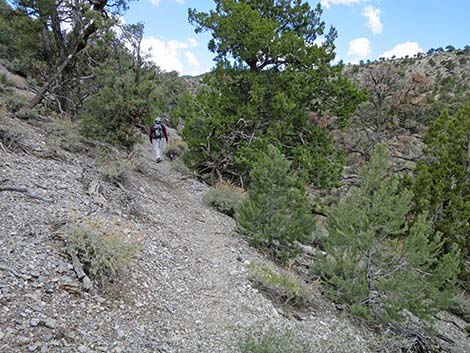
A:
x,y
189,288
448,73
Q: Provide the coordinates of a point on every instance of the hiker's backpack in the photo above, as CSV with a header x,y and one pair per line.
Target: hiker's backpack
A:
x,y
157,131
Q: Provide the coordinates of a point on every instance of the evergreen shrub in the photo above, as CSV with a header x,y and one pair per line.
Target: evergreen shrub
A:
x,y
13,103
276,213
378,261
442,185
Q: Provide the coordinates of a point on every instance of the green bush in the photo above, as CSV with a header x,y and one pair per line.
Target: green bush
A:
x,y
13,135
179,166
13,103
27,114
5,81
105,248
442,184
276,213
283,288
225,197
380,263
460,307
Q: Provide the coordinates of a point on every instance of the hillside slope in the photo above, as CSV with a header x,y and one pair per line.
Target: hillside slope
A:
x,y
187,292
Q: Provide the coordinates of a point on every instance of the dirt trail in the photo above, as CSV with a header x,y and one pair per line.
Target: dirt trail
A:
x,y
187,292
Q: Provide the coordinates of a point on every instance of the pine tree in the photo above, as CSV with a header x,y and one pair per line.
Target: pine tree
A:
x,y
276,212
442,185
377,261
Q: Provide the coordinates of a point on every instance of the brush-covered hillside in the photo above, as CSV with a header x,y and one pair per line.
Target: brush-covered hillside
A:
x,y
300,206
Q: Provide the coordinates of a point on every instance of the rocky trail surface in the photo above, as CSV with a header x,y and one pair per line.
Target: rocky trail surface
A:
x,y
188,290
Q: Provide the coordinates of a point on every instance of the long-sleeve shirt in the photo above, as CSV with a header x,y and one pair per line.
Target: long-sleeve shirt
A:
x,y
165,133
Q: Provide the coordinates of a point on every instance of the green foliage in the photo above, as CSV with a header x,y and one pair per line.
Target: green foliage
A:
x,y
183,109
461,308
277,88
276,213
14,135
105,248
380,263
171,95
225,197
442,185
179,166
19,40
5,81
125,97
27,114
13,103
285,289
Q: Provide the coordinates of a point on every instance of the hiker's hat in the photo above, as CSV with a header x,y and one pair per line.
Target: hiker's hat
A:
x,y
158,119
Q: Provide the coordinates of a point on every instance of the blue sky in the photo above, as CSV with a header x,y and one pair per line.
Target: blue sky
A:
x,y
366,29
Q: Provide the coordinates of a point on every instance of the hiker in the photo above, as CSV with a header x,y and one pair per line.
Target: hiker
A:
x,y
156,135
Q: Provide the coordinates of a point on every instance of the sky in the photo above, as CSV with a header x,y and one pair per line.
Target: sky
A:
x,y
367,29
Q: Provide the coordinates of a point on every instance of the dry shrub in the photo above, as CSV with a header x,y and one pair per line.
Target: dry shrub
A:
x,y
5,82
105,248
274,343
225,197
14,136
175,148
285,289
113,168
13,103
179,166
64,133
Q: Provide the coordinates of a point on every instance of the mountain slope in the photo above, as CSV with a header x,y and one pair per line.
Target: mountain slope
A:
x,y
187,292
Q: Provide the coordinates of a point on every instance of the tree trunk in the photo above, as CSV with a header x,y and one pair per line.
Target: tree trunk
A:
x,y
41,93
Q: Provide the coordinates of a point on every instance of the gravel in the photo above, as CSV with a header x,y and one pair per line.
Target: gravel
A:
x,y
188,290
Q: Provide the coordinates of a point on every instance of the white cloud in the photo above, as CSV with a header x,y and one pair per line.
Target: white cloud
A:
x,y
169,55
192,42
402,50
157,3
359,48
191,58
328,3
373,16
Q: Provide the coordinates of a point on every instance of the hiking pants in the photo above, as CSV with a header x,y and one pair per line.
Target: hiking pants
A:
x,y
158,147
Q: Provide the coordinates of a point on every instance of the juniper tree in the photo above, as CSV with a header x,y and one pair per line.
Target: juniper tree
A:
x,y
273,83
442,185
61,48
276,213
125,93
379,262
